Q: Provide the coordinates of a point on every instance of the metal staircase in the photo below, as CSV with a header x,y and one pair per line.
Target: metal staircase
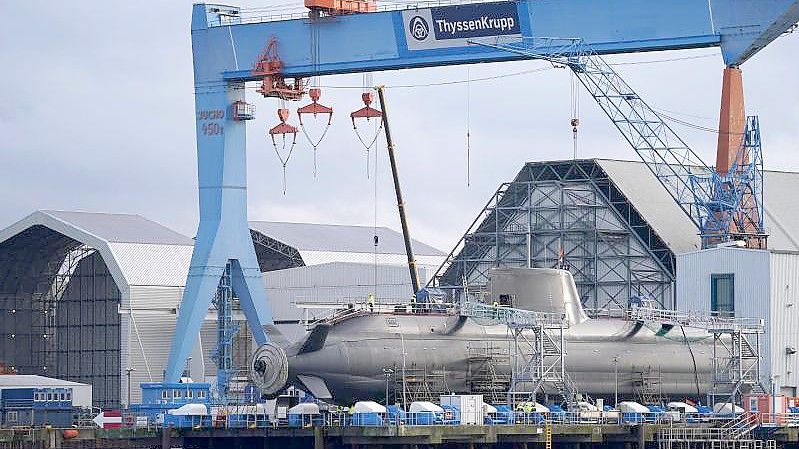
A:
x,y
736,347
538,353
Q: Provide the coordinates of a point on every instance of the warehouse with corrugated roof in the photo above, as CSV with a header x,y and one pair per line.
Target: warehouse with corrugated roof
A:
x,y
93,297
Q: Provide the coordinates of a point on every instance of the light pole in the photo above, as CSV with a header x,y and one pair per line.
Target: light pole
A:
x,y
128,371
616,382
387,372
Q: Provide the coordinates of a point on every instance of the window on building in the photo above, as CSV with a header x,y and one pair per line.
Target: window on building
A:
x,y
69,395
177,394
11,417
722,294
201,394
63,396
49,396
189,394
164,394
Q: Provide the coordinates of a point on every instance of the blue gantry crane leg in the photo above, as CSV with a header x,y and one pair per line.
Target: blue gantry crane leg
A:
x,y
223,236
228,45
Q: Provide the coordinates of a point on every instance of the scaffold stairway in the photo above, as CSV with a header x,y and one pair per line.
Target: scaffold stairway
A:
x,y
539,349
736,346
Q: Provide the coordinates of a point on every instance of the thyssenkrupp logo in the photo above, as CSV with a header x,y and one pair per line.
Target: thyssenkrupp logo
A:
x,y
419,28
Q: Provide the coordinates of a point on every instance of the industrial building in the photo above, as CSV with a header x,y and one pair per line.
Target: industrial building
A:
x,y
750,283
610,221
93,297
81,393
614,226
29,400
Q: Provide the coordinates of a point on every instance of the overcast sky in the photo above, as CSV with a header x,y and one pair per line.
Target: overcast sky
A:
x,y
97,114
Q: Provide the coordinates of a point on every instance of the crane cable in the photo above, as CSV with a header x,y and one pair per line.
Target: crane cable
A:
x,y
284,160
376,238
468,127
575,110
314,83
366,85
693,359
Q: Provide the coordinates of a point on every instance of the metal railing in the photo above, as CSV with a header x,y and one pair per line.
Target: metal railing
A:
x,y
681,423
262,15
700,320
514,318
779,419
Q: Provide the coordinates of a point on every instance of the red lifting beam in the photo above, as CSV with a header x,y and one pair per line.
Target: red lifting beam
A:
x,y
367,111
315,108
283,128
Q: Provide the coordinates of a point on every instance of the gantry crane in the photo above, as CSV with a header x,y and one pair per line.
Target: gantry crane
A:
x,y
232,46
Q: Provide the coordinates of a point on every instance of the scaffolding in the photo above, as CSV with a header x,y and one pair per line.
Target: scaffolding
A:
x,y
420,384
488,372
226,330
50,288
736,347
570,210
538,354
647,385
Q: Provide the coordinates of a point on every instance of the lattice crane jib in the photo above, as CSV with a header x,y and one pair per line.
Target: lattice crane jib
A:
x,y
723,207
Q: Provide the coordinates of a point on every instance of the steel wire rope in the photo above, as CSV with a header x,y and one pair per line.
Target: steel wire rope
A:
x,y
693,359
315,83
468,128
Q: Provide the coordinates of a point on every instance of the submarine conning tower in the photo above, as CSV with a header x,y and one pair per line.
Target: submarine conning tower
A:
x,y
538,289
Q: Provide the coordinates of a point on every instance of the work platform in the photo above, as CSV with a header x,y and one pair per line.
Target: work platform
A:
x,y
567,436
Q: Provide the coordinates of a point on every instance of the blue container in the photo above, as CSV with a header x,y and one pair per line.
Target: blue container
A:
x,y
36,407
504,415
425,418
655,412
632,418
396,415
297,420
367,419
556,413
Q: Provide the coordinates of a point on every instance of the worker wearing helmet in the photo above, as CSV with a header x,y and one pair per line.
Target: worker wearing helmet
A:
x,y
370,301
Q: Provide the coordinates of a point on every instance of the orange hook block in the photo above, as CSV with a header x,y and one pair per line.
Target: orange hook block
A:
x,y
315,107
367,111
282,128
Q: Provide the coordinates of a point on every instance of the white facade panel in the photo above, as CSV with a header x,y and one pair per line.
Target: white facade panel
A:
x,y
145,345
785,319
766,286
751,279
151,264
154,298
322,257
